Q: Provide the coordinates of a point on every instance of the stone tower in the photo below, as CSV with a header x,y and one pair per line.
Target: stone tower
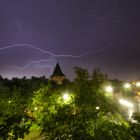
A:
x,y
58,76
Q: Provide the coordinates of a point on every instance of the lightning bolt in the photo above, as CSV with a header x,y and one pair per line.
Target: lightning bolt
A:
x,y
52,54
11,13
33,62
109,13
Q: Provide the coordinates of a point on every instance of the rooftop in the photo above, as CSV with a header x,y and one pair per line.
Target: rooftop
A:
x,y
57,71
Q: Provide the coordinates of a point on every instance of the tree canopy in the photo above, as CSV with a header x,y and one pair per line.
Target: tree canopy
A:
x,y
73,110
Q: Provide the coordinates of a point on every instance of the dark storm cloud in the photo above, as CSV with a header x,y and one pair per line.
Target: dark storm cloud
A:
x,y
71,27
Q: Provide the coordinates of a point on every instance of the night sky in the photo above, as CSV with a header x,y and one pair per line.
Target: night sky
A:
x,y
35,34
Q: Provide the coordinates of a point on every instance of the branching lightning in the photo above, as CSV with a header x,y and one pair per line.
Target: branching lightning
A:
x,y
40,63
11,13
108,15
52,54
33,62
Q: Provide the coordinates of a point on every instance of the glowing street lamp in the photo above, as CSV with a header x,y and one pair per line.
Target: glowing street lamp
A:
x,y
35,108
109,89
138,84
127,85
97,107
65,96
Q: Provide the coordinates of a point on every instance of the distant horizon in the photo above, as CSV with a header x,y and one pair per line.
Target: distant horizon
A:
x,y
68,77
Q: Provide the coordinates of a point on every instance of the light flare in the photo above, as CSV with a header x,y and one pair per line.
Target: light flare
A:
x,y
109,89
127,85
125,103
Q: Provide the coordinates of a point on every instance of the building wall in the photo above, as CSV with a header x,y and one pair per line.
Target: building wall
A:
x,y
57,79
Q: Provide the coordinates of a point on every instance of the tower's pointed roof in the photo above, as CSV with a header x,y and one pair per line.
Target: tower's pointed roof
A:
x,y
57,71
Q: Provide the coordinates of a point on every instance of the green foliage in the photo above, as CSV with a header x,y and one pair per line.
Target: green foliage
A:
x,y
136,116
135,127
135,130
77,110
89,115
12,115
15,96
74,121
81,74
15,127
98,79
112,127
90,90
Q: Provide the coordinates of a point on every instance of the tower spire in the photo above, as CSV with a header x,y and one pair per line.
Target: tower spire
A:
x,y
58,76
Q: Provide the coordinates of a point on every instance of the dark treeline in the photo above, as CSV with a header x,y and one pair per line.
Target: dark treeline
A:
x,y
22,85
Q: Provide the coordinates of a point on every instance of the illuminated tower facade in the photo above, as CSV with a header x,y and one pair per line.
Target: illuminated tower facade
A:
x,y
58,76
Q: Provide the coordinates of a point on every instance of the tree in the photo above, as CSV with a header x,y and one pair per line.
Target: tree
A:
x,y
13,120
98,79
86,116
135,127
